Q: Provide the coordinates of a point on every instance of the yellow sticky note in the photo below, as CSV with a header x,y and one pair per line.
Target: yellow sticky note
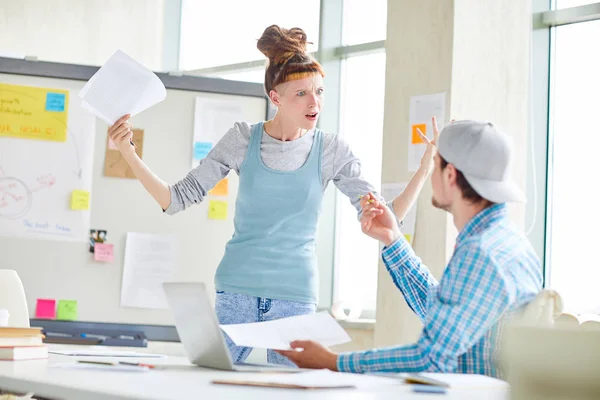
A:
x,y
217,209
80,200
30,112
221,188
67,310
408,238
416,138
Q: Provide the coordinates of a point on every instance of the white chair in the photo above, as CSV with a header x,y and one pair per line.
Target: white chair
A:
x,y
545,354
12,297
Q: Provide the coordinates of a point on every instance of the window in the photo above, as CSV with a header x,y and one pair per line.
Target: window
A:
x,y
364,21
573,3
573,219
362,127
225,32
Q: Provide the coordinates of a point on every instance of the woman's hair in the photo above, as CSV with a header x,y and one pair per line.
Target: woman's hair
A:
x,y
287,56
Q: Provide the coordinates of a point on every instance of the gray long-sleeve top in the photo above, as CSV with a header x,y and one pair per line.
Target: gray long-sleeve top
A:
x,y
338,165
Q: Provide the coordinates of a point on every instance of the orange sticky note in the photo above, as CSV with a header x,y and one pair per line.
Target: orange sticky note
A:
x,y
221,188
217,209
416,138
103,252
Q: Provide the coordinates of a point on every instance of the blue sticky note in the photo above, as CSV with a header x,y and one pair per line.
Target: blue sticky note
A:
x,y
55,102
201,150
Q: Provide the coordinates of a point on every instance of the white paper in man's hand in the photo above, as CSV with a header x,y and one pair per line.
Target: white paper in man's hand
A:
x,y
278,334
121,86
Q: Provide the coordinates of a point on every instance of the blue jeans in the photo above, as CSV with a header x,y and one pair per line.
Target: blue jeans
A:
x,y
235,308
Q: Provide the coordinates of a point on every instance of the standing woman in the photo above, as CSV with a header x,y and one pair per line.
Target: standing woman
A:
x,y
269,269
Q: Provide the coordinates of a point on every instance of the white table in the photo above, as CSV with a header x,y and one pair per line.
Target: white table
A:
x,y
176,378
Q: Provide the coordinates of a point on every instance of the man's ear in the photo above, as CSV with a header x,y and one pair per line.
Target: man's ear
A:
x,y
451,174
275,99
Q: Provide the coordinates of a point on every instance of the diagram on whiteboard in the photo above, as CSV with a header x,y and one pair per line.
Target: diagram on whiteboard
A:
x,y
46,151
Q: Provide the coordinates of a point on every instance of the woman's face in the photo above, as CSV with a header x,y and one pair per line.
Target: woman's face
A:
x,y
300,100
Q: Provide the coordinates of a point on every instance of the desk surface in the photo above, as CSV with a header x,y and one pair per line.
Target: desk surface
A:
x,y
176,378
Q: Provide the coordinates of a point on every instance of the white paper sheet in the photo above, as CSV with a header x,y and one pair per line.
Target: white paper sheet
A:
x,y
104,353
150,260
278,334
422,108
322,379
212,120
99,367
390,191
121,86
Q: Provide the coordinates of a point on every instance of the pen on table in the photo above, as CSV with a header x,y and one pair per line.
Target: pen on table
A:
x,y
137,364
113,364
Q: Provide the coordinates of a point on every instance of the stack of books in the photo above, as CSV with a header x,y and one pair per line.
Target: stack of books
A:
x,y
22,344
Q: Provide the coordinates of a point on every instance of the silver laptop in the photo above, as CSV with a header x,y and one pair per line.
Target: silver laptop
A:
x,y
199,330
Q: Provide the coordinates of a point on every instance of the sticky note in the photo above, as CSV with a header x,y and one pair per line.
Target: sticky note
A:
x,y
221,188
55,102
217,209
416,138
201,150
45,308
80,200
103,252
408,237
34,112
67,310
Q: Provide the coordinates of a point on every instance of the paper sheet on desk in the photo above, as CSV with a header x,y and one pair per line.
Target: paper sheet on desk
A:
x,y
278,334
318,379
104,353
121,86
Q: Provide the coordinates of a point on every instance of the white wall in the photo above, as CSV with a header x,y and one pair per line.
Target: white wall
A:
x,y
478,52
83,31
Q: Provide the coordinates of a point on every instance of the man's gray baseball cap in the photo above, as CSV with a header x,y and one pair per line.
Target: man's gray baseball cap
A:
x,y
483,154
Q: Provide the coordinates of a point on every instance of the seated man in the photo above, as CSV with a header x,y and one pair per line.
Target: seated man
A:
x,y
493,271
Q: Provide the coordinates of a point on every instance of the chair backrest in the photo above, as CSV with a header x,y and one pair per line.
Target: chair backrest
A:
x,y
547,354
543,310
12,297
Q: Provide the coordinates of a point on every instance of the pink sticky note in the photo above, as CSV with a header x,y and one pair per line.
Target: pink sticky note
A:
x,y
103,252
45,308
112,145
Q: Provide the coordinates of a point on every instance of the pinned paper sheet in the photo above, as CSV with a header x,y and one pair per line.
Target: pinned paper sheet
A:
x,y
422,108
217,209
45,308
221,188
150,260
67,310
390,191
80,200
121,86
114,164
103,252
33,112
278,334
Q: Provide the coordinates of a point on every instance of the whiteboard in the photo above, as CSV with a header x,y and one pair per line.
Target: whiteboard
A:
x,y
38,177
66,270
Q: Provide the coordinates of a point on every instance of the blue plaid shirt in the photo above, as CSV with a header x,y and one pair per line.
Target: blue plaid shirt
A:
x,y
493,271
